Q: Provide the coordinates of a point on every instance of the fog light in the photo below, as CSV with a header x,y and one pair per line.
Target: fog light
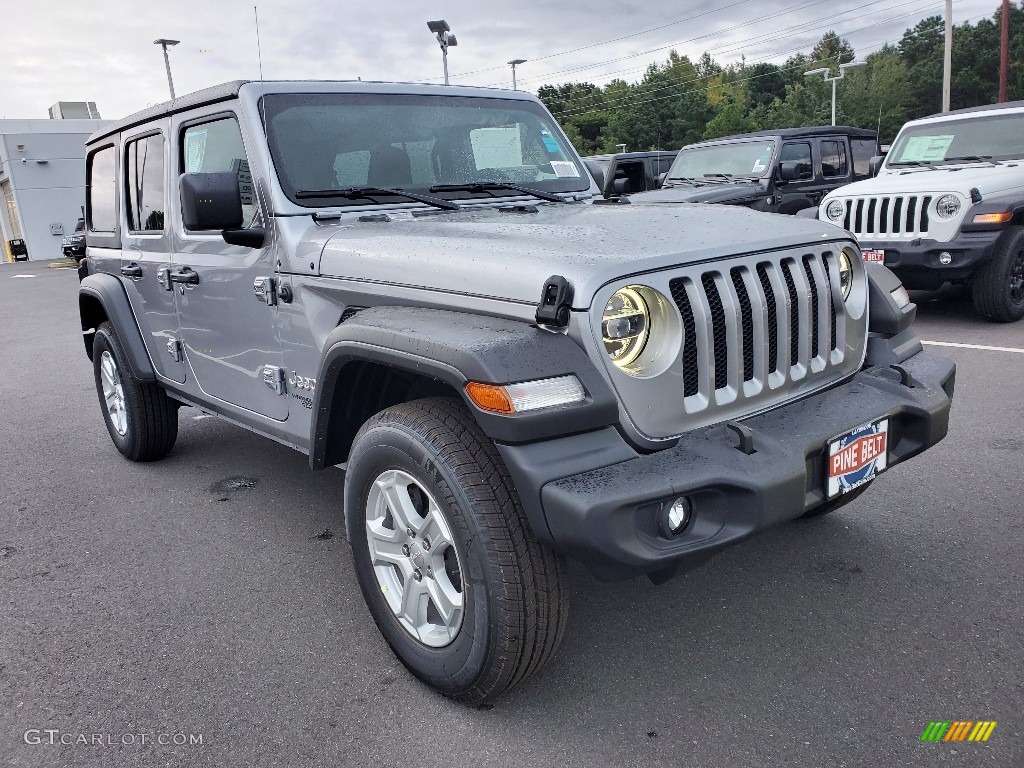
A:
x,y
945,257
678,516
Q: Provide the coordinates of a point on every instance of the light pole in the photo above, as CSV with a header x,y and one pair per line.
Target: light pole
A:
x,y
165,44
514,62
824,72
444,36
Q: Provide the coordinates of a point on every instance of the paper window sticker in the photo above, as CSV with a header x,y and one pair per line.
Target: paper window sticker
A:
x,y
564,169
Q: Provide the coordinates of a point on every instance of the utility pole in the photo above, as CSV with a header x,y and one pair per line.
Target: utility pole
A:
x,y
1004,48
947,60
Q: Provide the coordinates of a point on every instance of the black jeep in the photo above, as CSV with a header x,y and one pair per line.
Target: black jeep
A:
x,y
781,171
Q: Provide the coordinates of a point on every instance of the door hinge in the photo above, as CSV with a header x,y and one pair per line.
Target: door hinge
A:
x,y
174,349
265,289
164,276
274,378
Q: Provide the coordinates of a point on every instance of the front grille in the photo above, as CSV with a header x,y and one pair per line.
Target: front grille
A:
x,y
755,327
896,216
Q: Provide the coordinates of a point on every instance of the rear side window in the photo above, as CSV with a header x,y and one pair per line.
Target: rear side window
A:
x,y
863,150
144,179
216,147
101,207
833,159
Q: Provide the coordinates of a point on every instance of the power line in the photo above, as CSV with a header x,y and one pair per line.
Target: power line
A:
x,y
614,105
728,47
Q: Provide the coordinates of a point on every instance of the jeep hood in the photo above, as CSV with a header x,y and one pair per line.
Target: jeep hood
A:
x,y
988,180
509,255
681,192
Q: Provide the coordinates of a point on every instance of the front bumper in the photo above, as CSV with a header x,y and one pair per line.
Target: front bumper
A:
x,y
605,511
917,263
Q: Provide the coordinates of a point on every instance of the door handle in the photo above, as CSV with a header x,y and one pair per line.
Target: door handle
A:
x,y
132,270
185,275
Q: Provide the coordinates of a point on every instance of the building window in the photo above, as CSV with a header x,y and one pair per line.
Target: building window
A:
x,y
12,209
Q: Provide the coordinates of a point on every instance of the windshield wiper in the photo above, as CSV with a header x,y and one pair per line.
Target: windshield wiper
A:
x,y
369,193
914,164
973,159
486,186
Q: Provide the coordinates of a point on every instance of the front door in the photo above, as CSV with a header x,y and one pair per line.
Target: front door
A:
x,y
146,249
800,193
229,338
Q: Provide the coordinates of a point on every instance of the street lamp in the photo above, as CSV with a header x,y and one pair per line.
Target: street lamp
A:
x,y
444,36
165,44
824,72
514,62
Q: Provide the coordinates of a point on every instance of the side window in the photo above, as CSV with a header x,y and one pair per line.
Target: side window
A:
x,y
216,147
863,150
833,159
144,180
101,210
798,152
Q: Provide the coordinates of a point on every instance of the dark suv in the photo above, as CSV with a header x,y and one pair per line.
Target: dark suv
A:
x,y
781,171
628,172
73,245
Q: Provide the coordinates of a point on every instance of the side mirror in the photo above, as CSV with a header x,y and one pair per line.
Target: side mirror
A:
x,y
789,171
214,201
597,172
875,163
620,187
210,201
660,182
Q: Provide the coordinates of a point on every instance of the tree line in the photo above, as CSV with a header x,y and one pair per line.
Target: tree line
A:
x,y
680,101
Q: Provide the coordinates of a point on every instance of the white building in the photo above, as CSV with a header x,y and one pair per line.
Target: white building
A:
x,y
42,182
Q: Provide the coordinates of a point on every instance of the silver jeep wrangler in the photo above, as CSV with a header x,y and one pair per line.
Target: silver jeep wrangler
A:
x,y
423,286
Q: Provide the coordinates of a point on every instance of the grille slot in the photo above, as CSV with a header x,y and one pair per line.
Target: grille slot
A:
x,y
815,330
773,318
691,373
747,318
718,329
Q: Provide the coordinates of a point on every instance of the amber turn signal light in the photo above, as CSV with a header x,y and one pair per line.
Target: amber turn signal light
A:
x,y
490,397
992,218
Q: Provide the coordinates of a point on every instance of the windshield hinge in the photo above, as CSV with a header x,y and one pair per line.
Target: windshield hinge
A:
x,y
555,302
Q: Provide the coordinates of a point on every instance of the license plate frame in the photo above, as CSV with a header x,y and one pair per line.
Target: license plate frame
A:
x,y
856,457
873,255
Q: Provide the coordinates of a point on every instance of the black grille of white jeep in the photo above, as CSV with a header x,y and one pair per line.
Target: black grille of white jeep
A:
x,y
894,215
758,326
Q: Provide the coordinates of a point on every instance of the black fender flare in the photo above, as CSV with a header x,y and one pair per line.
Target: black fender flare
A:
x,y
455,348
108,291
891,335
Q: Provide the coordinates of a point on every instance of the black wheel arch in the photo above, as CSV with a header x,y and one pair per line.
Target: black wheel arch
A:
x,y
386,355
101,297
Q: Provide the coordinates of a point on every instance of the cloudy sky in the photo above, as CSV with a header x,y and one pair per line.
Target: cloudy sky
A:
x,y
102,50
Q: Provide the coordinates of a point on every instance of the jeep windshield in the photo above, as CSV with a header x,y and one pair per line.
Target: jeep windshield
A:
x,y
452,147
981,139
719,162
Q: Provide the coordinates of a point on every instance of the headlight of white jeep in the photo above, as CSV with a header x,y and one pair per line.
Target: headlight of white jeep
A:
x,y
846,257
947,206
625,326
835,211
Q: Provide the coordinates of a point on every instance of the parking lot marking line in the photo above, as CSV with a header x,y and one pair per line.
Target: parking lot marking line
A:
x,y
14,276
982,347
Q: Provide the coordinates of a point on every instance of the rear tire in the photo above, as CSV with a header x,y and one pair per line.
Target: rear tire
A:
x,y
998,286
141,419
482,605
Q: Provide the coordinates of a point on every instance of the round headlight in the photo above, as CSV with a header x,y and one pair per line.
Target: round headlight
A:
x,y
835,211
846,272
947,206
625,326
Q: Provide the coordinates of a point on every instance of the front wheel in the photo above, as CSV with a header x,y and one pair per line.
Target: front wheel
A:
x,y
998,286
467,598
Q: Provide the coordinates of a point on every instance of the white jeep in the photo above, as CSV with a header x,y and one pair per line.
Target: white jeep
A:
x,y
947,205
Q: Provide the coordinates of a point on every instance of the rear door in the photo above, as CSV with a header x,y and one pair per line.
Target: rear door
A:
x,y
229,338
146,249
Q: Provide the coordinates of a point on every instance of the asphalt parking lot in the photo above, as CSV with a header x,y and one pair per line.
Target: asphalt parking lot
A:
x,y
194,598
